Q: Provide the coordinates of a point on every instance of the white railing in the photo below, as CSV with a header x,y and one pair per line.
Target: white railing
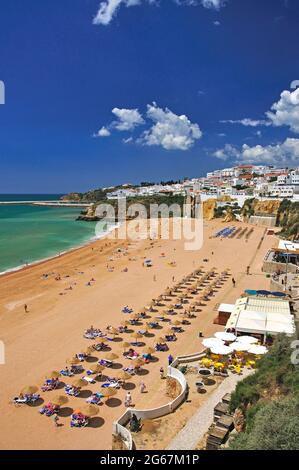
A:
x,y
119,428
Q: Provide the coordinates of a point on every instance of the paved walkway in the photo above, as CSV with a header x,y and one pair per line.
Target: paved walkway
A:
x,y
198,425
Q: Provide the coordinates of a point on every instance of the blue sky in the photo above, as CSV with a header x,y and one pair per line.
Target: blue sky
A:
x,y
101,93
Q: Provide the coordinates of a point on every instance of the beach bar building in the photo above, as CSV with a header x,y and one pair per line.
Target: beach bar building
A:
x,y
261,317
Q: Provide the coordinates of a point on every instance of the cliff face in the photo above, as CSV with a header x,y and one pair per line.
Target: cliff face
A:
x,y
209,208
71,197
266,207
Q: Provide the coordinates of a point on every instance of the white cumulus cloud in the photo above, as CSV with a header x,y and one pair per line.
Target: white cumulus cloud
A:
x,y
108,9
247,122
103,132
128,119
171,131
286,111
284,153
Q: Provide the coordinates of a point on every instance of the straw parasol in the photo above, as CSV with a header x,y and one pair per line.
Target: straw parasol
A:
x,y
53,375
125,323
169,331
136,335
30,390
126,345
176,323
149,350
111,356
73,361
97,369
160,340
89,350
124,376
108,392
79,383
90,410
137,362
134,316
225,336
59,400
113,331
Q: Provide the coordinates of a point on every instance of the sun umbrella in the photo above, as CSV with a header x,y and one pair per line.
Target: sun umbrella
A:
x,y
225,336
149,350
90,410
210,342
30,390
221,349
113,331
123,376
59,400
136,335
97,369
160,340
126,345
53,375
134,316
240,346
247,339
125,323
73,361
169,331
89,350
79,383
111,356
257,350
137,362
176,323
108,392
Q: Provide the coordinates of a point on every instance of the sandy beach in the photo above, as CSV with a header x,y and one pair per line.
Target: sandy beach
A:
x,y
41,340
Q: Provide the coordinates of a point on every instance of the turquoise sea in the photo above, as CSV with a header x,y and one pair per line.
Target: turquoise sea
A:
x,y
31,233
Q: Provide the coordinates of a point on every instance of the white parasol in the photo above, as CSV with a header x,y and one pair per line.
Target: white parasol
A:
x,y
224,336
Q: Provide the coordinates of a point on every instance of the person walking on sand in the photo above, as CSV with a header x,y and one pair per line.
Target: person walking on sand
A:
x,y
170,359
142,387
26,308
248,270
55,420
128,400
161,372
233,281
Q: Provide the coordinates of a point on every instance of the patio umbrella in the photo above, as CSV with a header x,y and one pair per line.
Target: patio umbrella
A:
x,y
90,410
137,362
89,350
123,376
53,375
257,350
134,316
247,339
97,369
160,340
221,349
136,335
126,345
30,390
111,356
113,331
210,342
225,336
125,323
79,383
169,331
73,361
176,323
59,400
108,392
149,350
240,346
